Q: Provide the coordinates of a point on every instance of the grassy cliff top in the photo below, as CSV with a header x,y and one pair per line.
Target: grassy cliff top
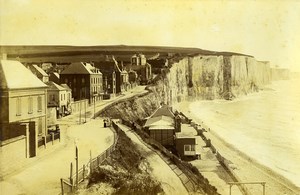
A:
x,y
35,51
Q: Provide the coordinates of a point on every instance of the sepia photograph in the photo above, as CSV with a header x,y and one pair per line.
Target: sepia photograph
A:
x,y
158,97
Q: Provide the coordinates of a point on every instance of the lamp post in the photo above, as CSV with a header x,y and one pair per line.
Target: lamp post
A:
x,y
94,106
80,106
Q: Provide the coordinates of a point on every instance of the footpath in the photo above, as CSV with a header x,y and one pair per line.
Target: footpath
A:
x,y
41,175
170,182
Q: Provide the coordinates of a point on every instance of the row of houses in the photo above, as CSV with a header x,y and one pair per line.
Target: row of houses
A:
x,y
31,99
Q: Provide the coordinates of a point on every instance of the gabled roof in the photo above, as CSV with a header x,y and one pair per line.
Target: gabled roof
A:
x,y
163,111
14,75
56,74
40,70
80,68
160,121
124,72
107,67
66,87
54,86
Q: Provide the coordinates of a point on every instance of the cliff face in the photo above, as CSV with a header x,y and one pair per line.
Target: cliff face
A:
x,y
213,77
134,108
246,75
203,77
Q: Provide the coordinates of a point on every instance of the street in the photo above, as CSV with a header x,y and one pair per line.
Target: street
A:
x,y
42,174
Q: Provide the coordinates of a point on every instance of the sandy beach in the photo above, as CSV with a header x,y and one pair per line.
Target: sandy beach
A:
x,y
257,134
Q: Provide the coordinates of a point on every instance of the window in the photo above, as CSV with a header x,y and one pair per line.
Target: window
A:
x,y
40,126
39,103
30,105
19,107
83,80
192,147
74,80
66,81
64,96
189,150
187,147
83,93
61,97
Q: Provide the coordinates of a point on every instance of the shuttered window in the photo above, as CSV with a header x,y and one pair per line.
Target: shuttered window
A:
x,y
18,107
39,103
30,105
40,126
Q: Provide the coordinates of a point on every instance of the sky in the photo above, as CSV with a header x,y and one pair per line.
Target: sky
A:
x,y
267,29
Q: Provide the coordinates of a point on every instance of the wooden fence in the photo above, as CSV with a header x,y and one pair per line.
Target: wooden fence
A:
x,y
70,185
180,168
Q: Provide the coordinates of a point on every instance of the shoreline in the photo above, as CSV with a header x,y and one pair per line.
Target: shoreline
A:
x,y
240,160
265,169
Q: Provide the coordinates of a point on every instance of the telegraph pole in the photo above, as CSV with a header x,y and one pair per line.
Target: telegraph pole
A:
x,y
80,107
76,158
94,106
84,104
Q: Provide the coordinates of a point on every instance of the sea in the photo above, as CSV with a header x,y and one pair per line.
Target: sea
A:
x,y
265,125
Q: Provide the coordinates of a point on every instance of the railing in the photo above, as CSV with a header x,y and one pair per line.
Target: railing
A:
x,y
185,174
219,157
70,185
48,138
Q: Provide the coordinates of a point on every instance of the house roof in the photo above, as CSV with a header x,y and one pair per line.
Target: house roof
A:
x,y
161,127
14,75
80,68
187,131
40,70
160,121
124,72
54,86
56,74
163,111
66,87
107,67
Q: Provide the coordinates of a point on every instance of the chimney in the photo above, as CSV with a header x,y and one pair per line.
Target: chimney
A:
x,y
122,66
177,123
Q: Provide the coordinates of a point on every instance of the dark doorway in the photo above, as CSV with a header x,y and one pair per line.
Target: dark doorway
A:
x,y
32,140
